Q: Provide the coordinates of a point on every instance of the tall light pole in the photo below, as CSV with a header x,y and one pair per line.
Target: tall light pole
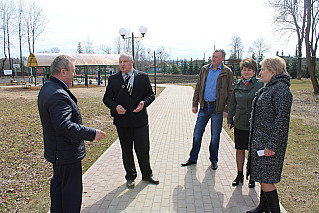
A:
x,y
123,32
154,56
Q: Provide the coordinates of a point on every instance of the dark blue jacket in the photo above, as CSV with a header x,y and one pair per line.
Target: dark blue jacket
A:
x,y
63,131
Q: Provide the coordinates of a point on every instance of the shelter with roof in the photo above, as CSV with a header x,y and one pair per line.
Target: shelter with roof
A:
x,y
87,66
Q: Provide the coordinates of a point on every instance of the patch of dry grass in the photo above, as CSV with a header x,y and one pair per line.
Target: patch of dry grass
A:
x,y
299,187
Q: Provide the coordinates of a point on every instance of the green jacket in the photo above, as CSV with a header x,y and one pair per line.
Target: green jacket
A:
x,y
224,88
241,103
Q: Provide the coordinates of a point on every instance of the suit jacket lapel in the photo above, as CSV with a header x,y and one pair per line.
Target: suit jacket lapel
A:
x,y
136,79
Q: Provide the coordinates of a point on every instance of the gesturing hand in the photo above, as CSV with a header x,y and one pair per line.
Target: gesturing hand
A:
x,y
99,135
139,107
120,110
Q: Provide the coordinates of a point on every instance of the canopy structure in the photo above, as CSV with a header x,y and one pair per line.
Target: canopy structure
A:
x,y
45,59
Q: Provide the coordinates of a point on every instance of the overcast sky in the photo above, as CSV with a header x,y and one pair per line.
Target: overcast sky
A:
x,y
186,28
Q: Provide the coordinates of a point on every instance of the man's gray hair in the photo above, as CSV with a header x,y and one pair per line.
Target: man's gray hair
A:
x,y
126,54
61,62
222,51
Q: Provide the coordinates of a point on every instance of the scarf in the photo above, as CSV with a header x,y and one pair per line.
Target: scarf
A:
x,y
245,81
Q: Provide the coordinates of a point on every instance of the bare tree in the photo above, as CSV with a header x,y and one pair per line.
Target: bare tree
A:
x,y
35,21
311,39
139,52
21,33
9,23
106,48
163,54
89,46
55,50
117,45
3,28
259,48
127,42
237,47
290,18
7,16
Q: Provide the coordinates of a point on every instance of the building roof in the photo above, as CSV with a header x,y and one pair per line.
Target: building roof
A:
x,y
45,59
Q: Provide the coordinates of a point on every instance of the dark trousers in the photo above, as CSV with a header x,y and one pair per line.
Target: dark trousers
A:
x,y
66,188
139,137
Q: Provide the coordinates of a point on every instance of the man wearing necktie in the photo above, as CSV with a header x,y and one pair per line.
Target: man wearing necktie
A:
x,y
127,95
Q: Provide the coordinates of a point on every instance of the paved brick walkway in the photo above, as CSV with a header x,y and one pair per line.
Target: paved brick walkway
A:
x,y
196,188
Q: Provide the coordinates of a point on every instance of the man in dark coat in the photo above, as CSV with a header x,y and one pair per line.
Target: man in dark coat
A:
x,y
64,135
127,94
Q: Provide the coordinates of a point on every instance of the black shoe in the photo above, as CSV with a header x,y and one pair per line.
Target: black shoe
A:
x,y
239,179
251,184
151,180
130,184
214,165
189,162
263,204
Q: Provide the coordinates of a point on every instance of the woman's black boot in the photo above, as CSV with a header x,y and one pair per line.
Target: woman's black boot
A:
x,y
239,178
251,183
263,204
273,201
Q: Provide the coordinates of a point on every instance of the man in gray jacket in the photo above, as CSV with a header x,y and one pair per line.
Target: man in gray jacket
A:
x,y
213,91
63,136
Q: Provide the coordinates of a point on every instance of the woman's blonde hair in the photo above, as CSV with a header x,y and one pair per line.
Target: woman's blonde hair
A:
x,y
275,64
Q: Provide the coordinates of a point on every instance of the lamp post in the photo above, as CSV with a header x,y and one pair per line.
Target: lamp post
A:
x,y
154,56
123,32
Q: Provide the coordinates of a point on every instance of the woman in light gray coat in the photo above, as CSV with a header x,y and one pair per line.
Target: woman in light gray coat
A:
x,y
269,126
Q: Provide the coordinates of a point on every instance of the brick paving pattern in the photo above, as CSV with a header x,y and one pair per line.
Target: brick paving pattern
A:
x,y
196,188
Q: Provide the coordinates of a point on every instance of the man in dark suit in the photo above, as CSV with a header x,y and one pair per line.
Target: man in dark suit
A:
x,y
64,135
127,94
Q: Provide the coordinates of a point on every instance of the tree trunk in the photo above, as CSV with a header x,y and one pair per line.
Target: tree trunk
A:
x,y
20,42
21,62
299,61
8,47
310,53
4,48
311,62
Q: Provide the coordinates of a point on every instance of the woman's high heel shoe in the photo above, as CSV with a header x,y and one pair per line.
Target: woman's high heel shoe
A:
x,y
239,179
251,184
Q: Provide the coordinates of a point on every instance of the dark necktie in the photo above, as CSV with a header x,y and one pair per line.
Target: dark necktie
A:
x,y
128,85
